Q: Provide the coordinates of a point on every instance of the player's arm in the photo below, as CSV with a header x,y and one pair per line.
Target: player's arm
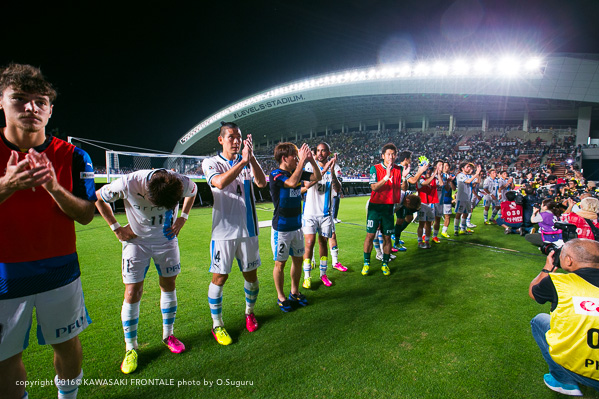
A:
x,y
307,185
428,181
316,173
475,176
259,176
377,185
175,229
222,180
122,233
19,176
335,181
549,267
414,179
79,209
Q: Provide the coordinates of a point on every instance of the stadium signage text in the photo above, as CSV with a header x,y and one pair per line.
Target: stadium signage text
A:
x,y
268,104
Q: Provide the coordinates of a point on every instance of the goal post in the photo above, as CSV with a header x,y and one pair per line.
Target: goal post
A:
x,y
119,163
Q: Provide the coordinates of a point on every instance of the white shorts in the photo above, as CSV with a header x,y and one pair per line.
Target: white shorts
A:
x,y
426,213
322,225
440,210
490,203
136,260
463,207
286,243
60,313
223,252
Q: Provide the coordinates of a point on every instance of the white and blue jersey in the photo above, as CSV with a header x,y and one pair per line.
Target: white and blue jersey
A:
x,y
148,221
318,197
234,211
287,201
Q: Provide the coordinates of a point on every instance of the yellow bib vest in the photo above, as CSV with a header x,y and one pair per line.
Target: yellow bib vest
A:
x,y
573,337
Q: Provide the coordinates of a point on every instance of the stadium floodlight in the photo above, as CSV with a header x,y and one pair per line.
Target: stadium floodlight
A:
x,y
508,66
460,67
482,66
404,70
440,68
533,64
421,69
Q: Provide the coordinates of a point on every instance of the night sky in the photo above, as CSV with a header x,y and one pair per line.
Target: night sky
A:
x,y
144,76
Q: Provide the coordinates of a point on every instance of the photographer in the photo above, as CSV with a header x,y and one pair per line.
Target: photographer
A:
x,y
568,337
585,219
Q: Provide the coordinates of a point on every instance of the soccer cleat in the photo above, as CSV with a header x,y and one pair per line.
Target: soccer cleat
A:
x,y
250,322
394,249
307,283
487,222
566,389
399,242
469,231
391,257
421,245
456,232
325,280
336,220
400,247
299,298
427,245
173,344
423,238
471,225
129,364
365,269
221,335
386,270
436,240
340,267
285,305
445,235
508,231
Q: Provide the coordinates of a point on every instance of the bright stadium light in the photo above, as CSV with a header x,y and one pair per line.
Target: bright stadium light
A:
x,y
508,66
533,64
482,66
460,67
440,68
421,69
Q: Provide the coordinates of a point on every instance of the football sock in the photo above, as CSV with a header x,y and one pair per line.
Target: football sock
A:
x,y
380,240
386,258
168,307
215,300
463,227
323,266
67,389
427,238
469,218
367,258
495,211
486,215
335,255
307,268
444,230
376,245
398,230
130,318
456,223
251,294
436,233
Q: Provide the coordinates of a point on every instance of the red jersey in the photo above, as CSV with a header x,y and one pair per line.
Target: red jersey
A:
x,y
511,212
582,227
390,193
428,194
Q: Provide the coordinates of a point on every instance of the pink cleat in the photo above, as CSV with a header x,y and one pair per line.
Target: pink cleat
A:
x,y
250,322
325,280
340,267
393,249
174,345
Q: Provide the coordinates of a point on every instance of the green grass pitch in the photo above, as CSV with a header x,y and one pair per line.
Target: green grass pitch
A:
x,y
450,322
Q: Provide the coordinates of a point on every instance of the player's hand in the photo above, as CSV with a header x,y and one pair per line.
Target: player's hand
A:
x,y
549,261
389,169
305,155
478,169
41,160
23,175
330,165
406,172
423,168
174,230
571,202
125,233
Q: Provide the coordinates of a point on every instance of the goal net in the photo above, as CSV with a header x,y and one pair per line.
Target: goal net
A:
x,y
119,163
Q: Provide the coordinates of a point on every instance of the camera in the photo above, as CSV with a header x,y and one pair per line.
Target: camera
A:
x,y
568,233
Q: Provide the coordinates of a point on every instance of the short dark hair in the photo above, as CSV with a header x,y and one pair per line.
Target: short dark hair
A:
x,y
165,189
404,155
26,78
463,165
226,125
510,195
284,150
388,146
325,144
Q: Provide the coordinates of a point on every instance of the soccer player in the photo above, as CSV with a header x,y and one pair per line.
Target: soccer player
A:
x,y
463,197
45,185
286,237
446,197
317,217
427,190
491,190
234,223
385,182
151,199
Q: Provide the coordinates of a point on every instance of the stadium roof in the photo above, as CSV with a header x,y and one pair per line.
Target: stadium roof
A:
x,y
550,89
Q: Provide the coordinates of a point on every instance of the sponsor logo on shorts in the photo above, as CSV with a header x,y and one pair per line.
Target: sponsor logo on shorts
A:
x,y
255,263
172,269
70,328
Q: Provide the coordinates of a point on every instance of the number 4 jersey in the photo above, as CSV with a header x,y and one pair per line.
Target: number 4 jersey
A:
x,y
234,211
148,221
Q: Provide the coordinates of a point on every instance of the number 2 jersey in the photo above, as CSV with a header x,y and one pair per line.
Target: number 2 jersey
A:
x,y
148,221
234,211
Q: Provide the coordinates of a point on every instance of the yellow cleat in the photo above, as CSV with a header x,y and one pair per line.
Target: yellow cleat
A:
x,y
221,335
445,235
307,283
386,270
365,269
129,364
